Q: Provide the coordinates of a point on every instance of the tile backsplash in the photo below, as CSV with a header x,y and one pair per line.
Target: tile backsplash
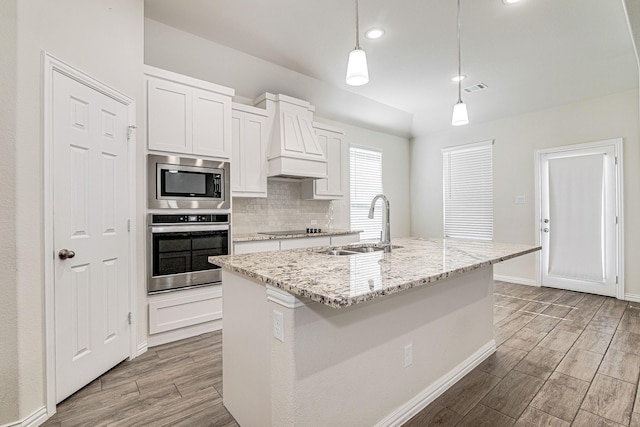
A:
x,y
282,210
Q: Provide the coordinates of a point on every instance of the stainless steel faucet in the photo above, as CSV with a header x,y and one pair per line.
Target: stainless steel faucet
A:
x,y
385,239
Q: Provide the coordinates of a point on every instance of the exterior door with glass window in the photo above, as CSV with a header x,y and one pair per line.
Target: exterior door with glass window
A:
x,y
579,219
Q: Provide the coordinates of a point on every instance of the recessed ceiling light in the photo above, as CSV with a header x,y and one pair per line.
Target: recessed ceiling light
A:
x,y
458,78
374,33
510,1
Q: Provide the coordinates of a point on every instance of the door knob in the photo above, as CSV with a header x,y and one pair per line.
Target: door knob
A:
x,y
546,230
65,254
546,221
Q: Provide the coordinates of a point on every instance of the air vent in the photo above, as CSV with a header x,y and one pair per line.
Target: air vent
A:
x,y
475,88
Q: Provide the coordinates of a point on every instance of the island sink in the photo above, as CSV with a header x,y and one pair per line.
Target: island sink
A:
x,y
351,251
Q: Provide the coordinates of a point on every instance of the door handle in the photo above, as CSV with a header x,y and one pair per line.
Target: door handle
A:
x,y
66,254
546,221
546,230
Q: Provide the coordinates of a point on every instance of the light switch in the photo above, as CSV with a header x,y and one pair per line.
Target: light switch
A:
x,y
520,199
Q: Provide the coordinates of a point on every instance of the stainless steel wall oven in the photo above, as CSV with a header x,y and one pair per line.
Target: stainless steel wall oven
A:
x,y
179,246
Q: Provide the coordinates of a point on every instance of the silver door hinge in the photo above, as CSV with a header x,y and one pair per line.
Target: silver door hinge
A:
x,y
130,130
129,225
616,280
616,219
616,160
129,317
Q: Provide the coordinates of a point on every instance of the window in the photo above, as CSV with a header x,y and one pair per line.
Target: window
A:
x,y
366,183
468,191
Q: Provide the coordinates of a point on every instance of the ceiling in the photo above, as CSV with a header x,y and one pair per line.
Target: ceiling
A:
x,y
532,55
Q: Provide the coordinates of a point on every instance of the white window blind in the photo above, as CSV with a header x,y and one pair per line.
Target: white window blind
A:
x,y
468,191
366,183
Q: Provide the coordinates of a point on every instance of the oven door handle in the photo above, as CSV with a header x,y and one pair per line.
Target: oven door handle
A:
x,y
187,228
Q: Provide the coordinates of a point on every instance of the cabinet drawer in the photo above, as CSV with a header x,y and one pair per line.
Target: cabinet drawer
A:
x,y
260,246
171,311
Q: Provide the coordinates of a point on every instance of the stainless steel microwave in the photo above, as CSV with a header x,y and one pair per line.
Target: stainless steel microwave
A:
x,y
186,183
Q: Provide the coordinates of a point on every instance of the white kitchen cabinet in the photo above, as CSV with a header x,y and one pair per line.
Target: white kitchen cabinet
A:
x,y
211,124
333,144
185,313
252,246
304,242
186,115
249,142
168,116
256,246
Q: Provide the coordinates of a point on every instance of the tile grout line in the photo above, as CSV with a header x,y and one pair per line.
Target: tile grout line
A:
x,y
532,312
539,302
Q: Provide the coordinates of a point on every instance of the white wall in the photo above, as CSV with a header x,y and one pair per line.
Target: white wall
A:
x,y
172,49
103,38
516,140
8,289
181,52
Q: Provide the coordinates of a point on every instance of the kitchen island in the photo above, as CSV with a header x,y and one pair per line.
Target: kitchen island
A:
x,y
364,338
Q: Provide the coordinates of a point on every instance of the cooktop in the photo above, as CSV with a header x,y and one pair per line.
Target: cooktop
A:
x,y
287,232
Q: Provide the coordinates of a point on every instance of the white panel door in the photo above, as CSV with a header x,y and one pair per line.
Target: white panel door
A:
x,y
169,116
579,231
211,124
90,208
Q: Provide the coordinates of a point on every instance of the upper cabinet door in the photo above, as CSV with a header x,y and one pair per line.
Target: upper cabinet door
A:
x,y
211,124
334,146
249,171
255,155
169,114
187,115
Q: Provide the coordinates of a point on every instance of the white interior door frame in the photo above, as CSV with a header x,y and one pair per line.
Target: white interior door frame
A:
x,y
50,65
617,144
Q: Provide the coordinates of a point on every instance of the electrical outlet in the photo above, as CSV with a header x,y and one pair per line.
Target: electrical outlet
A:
x,y
278,325
408,355
314,222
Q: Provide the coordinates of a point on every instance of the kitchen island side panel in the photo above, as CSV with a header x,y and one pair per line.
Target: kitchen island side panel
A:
x,y
246,361
345,367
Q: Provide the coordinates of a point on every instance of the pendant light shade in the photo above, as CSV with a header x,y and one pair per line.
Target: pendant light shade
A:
x,y
357,70
460,116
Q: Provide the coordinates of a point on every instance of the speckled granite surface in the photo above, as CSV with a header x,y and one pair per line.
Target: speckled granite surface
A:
x,y
341,281
249,237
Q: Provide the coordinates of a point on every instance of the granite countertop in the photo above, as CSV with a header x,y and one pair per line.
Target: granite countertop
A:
x,y
341,281
294,234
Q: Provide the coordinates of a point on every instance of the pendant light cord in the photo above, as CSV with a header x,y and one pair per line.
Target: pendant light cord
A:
x,y
358,27
459,66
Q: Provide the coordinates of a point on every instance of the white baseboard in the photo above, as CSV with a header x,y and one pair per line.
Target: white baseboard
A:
x,y
429,394
142,348
516,280
33,420
632,297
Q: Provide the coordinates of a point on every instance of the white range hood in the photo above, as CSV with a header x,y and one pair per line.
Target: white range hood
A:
x,y
294,151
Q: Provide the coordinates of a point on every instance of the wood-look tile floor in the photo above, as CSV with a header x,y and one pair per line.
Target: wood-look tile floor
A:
x,y
563,359
176,384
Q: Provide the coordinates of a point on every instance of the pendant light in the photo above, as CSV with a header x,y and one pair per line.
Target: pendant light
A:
x,y
357,71
460,116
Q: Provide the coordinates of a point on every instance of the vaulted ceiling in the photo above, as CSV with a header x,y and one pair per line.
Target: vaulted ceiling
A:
x,y
531,55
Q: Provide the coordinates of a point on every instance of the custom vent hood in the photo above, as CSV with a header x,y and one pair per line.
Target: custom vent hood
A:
x,y
294,151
